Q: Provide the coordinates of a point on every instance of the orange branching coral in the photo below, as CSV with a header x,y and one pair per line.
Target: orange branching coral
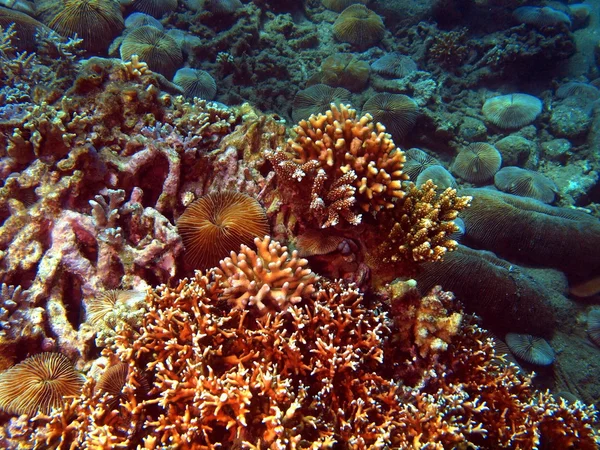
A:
x,y
423,224
267,279
332,369
348,162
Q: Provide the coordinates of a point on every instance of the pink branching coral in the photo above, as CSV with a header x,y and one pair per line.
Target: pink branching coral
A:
x,y
268,279
339,165
335,367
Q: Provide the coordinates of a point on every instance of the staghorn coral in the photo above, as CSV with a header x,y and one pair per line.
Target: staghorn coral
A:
x,y
337,368
34,77
18,315
24,26
341,165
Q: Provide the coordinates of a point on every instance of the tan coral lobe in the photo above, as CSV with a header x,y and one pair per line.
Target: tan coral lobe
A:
x,y
219,223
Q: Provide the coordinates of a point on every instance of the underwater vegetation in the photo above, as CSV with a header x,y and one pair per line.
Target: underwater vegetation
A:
x,y
316,224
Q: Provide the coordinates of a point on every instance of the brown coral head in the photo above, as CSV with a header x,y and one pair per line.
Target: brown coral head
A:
x,y
360,26
156,48
477,163
97,22
396,111
219,223
38,384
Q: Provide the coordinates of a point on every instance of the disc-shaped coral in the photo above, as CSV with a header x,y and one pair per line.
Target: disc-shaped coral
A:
x,y
578,89
196,83
512,111
531,349
155,8
417,161
154,47
340,5
317,99
343,70
394,64
396,111
113,379
97,22
525,183
360,26
25,28
439,176
219,223
593,326
104,302
38,384
477,163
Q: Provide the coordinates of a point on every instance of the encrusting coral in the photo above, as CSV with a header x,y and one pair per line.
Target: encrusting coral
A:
x,y
335,367
339,165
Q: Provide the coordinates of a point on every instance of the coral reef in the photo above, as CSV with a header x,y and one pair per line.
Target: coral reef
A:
x,y
326,370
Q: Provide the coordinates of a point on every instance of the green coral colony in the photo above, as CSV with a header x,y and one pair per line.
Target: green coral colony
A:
x,y
266,224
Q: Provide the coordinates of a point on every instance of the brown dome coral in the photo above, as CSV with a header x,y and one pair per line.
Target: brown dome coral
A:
x,y
397,112
219,223
350,165
156,48
358,25
477,163
97,22
342,70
